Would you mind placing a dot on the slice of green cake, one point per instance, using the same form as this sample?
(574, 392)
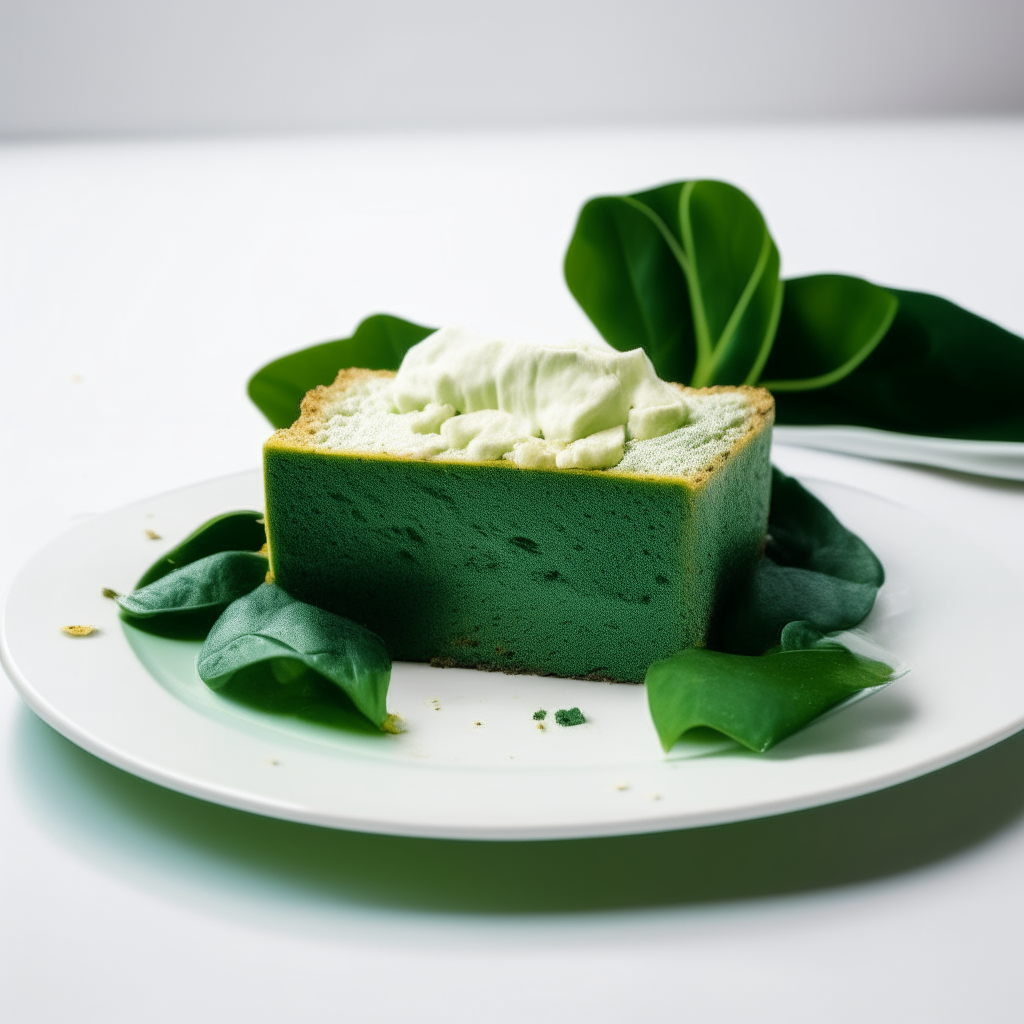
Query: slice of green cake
(545, 509)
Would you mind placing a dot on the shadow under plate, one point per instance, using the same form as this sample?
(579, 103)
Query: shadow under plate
(90, 802)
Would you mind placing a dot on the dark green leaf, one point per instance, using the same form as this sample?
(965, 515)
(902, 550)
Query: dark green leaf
(378, 343)
(733, 275)
(776, 595)
(621, 270)
(830, 324)
(774, 668)
(232, 531)
(186, 603)
(803, 532)
(285, 687)
(813, 570)
(756, 701)
(939, 370)
(688, 271)
(270, 626)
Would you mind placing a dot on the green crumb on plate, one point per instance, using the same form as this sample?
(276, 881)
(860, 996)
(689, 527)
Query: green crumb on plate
(571, 717)
(539, 715)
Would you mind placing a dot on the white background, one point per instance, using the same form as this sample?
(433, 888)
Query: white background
(152, 66)
(142, 281)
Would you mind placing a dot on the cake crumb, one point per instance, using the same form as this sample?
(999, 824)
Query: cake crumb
(540, 725)
(273, 762)
(655, 796)
(539, 715)
(78, 630)
(153, 535)
(478, 723)
(393, 724)
(570, 716)
(112, 594)
(622, 786)
(435, 704)
(261, 522)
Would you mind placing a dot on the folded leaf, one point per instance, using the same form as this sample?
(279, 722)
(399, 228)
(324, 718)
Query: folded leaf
(939, 370)
(232, 531)
(268, 625)
(187, 602)
(773, 668)
(830, 324)
(757, 701)
(378, 343)
(813, 570)
(803, 532)
(688, 271)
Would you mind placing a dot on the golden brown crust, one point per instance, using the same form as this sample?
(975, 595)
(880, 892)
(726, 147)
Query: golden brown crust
(312, 410)
(313, 414)
(763, 404)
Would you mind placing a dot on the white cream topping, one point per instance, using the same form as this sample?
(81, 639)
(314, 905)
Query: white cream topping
(460, 396)
(558, 392)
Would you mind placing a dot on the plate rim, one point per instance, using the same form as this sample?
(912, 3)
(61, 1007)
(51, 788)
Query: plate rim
(267, 805)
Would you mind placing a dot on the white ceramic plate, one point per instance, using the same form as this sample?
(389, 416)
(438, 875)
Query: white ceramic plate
(1004, 459)
(472, 763)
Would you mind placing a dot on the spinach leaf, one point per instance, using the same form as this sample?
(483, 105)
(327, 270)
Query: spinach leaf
(830, 324)
(268, 625)
(772, 668)
(940, 370)
(813, 570)
(688, 271)
(378, 343)
(232, 531)
(186, 603)
(756, 701)
(623, 271)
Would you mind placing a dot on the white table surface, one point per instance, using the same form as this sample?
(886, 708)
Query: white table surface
(141, 283)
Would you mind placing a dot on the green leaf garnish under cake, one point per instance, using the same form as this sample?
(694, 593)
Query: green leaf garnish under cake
(267, 629)
(232, 531)
(756, 701)
(187, 602)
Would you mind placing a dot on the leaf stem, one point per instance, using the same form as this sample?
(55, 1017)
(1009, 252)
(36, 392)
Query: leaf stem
(704, 365)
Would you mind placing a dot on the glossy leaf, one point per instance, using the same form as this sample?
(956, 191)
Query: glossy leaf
(378, 343)
(186, 603)
(830, 324)
(771, 667)
(232, 531)
(623, 271)
(688, 271)
(269, 626)
(940, 370)
(813, 570)
(757, 701)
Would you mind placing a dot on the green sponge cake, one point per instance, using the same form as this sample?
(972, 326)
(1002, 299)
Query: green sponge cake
(552, 509)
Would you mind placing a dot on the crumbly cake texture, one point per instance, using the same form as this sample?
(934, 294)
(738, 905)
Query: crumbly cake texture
(583, 573)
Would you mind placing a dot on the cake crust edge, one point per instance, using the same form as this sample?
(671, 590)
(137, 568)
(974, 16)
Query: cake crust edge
(298, 437)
